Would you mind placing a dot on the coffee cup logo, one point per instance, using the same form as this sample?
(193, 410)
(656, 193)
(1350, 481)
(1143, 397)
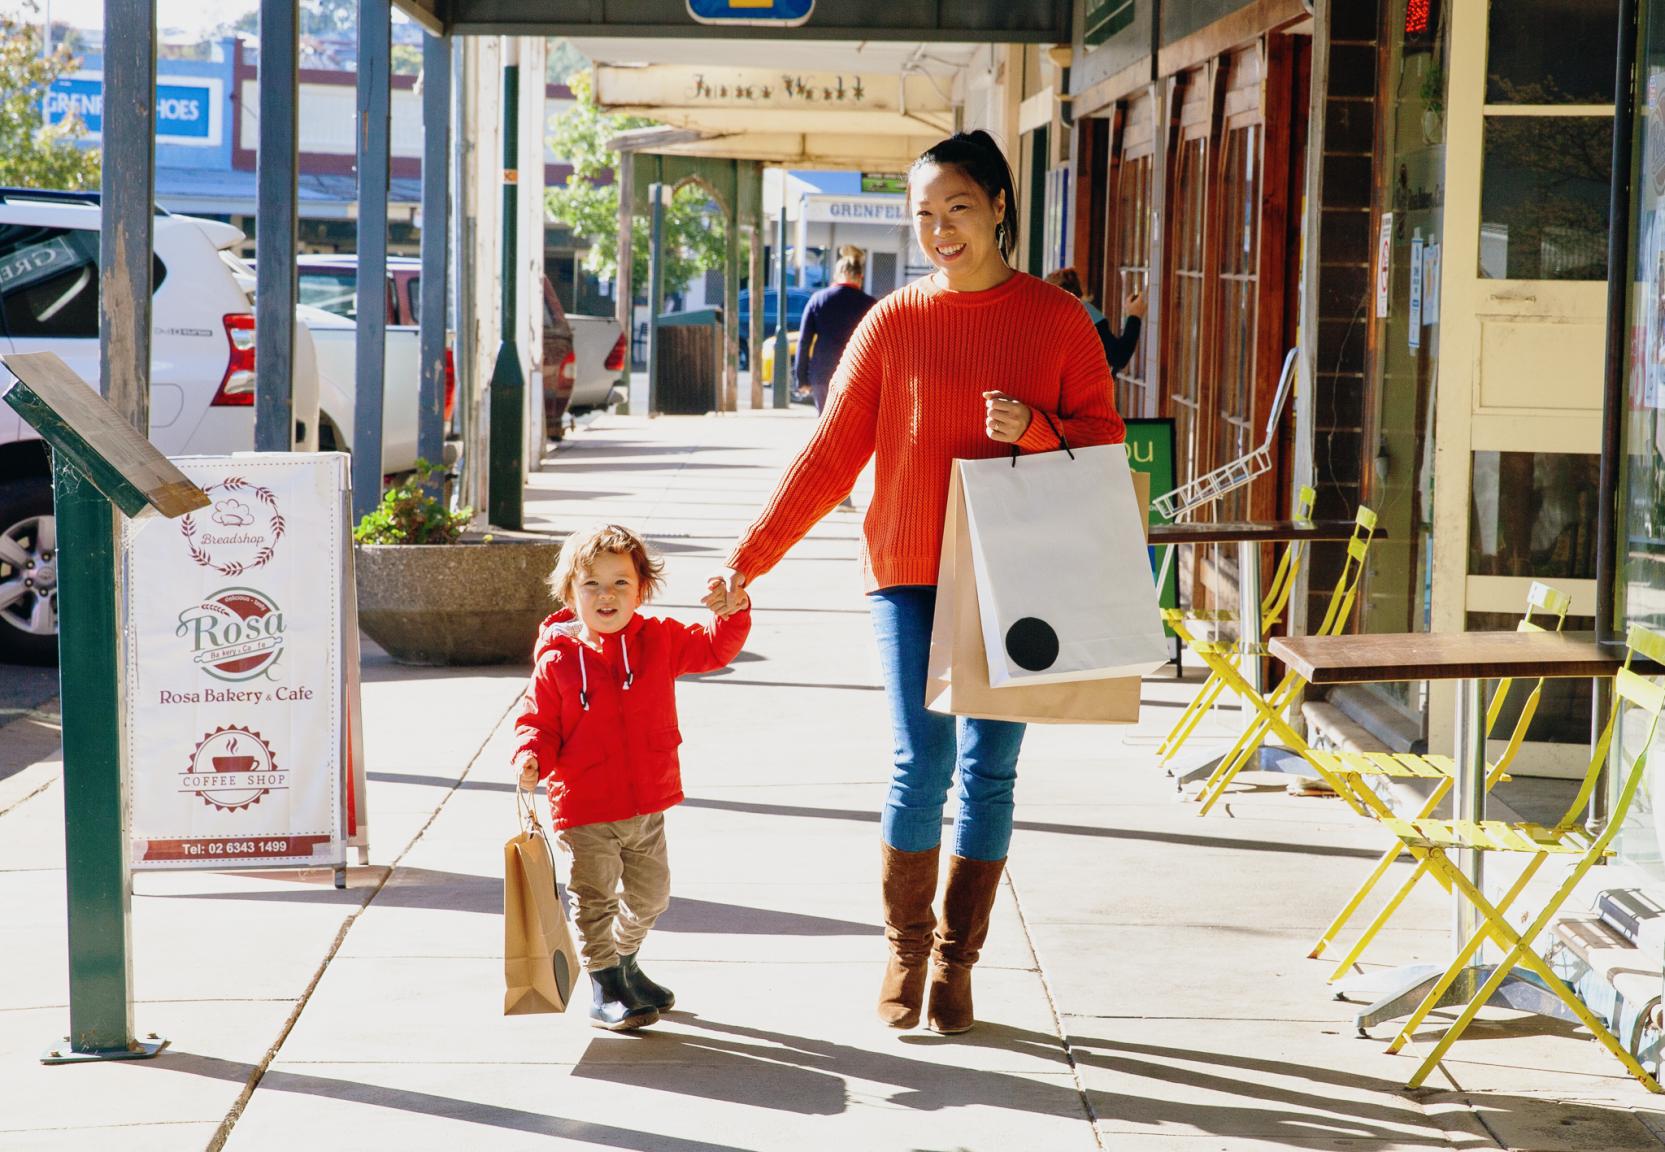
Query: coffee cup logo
(232, 768)
(241, 529)
(236, 634)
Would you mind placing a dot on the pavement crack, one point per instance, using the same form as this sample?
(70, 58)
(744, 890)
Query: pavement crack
(223, 1132)
(1057, 1017)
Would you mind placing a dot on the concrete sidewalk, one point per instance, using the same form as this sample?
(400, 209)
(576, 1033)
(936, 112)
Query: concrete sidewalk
(1144, 987)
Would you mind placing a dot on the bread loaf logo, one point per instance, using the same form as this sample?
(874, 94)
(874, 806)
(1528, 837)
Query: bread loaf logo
(242, 528)
(232, 768)
(235, 634)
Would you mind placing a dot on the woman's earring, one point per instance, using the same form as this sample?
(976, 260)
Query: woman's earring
(1000, 236)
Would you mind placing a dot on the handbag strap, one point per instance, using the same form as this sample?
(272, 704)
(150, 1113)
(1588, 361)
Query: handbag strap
(1056, 431)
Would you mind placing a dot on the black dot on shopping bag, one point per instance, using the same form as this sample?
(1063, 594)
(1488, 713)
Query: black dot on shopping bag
(1032, 644)
(563, 976)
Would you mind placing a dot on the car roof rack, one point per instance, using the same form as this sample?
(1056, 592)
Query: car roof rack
(58, 196)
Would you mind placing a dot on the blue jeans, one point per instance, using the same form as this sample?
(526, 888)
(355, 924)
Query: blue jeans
(931, 749)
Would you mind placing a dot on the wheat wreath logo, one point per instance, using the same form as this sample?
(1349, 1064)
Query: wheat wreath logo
(242, 531)
(232, 768)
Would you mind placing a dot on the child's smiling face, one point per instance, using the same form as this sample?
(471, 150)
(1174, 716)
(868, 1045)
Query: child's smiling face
(607, 593)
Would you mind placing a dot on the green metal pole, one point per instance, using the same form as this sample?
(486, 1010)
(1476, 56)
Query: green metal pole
(95, 780)
(656, 292)
(505, 485)
(783, 370)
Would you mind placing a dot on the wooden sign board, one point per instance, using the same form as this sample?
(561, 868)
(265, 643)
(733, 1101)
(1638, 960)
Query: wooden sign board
(79, 423)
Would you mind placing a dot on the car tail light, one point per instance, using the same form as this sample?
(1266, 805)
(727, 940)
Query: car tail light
(237, 385)
(450, 385)
(615, 358)
(567, 374)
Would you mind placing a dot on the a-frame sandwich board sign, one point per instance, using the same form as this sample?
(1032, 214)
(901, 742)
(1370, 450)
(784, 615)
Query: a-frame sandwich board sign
(102, 467)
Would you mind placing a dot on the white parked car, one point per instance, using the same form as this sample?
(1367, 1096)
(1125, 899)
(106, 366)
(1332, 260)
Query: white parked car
(202, 371)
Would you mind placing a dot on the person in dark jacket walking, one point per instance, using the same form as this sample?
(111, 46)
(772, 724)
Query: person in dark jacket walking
(1118, 350)
(598, 725)
(829, 318)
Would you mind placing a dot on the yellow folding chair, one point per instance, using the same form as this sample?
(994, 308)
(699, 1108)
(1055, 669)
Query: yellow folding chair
(1271, 611)
(1272, 708)
(1540, 598)
(1435, 839)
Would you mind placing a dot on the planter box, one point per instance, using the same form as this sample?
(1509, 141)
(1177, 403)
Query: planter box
(468, 603)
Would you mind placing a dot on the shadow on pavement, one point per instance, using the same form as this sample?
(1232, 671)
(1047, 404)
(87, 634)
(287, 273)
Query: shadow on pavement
(428, 1104)
(1268, 1106)
(808, 1076)
(437, 891)
(867, 817)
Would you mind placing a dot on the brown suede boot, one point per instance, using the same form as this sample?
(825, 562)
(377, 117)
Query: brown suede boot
(910, 887)
(966, 905)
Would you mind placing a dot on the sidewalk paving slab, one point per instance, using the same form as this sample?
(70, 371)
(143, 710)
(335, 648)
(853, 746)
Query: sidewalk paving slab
(1145, 985)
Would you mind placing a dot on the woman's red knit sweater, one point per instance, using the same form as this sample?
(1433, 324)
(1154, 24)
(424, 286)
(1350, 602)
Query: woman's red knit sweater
(909, 395)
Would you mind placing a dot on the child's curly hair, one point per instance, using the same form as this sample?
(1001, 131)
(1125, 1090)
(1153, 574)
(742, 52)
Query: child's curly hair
(582, 548)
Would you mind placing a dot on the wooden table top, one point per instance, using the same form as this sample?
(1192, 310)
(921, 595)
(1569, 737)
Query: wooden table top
(1261, 531)
(1366, 659)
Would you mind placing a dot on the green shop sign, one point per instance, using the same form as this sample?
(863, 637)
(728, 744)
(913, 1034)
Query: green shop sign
(1150, 449)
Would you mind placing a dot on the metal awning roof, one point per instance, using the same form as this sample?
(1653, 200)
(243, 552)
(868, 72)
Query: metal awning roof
(1003, 21)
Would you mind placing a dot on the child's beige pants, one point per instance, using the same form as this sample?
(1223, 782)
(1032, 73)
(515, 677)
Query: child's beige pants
(620, 883)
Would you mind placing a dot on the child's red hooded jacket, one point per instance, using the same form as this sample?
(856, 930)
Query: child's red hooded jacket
(603, 723)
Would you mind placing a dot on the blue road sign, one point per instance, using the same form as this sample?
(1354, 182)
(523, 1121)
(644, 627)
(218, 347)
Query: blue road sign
(774, 13)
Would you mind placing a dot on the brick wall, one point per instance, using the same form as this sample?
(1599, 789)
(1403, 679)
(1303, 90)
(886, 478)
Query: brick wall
(1345, 286)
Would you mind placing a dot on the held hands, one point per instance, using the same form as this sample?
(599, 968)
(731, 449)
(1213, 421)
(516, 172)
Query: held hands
(1006, 419)
(726, 594)
(528, 774)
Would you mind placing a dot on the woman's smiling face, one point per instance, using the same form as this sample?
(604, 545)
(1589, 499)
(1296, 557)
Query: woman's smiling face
(954, 221)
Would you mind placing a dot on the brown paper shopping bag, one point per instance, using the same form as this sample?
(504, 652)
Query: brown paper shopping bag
(957, 677)
(540, 961)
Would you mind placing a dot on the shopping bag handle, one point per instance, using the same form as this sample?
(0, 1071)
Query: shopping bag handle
(526, 810)
(1056, 431)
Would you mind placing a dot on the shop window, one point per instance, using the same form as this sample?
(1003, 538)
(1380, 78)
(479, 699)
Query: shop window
(1551, 51)
(1544, 197)
(1185, 319)
(1131, 259)
(1234, 331)
(1534, 514)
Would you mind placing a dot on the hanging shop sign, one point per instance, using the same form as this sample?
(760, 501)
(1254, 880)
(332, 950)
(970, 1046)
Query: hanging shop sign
(770, 13)
(243, 739)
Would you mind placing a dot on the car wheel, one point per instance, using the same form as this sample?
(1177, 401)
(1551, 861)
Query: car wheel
(28, 573)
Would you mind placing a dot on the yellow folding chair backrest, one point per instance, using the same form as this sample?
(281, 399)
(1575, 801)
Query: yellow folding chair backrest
(1347, 586)
(1539, 598)
(1283, 580)
(1633, 689)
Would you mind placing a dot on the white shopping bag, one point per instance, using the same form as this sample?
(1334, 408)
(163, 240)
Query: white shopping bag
(1064, 583)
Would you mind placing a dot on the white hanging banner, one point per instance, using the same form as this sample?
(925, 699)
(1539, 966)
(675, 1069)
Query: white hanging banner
(243, 708)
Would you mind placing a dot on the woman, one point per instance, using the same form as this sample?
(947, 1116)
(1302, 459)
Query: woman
(1118, 350)
(968, 362)
(829, 319)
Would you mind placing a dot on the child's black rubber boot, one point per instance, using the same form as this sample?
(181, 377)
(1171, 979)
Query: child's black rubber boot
(615, 1005)
(661, 997)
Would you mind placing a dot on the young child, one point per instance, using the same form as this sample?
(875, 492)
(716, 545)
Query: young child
(598, 724)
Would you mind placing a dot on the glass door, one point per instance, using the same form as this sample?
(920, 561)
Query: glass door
(1522, 309)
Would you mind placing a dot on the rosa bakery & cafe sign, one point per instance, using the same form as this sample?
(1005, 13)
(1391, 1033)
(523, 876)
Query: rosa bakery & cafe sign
(244, 738)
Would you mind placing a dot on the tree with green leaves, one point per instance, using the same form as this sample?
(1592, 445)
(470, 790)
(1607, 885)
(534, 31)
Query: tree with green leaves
(34, 154)
(693, 230)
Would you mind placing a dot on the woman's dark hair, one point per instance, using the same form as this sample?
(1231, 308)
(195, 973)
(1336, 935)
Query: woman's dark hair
(979, 157)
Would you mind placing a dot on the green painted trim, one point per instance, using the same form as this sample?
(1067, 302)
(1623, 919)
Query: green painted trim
(95, 780)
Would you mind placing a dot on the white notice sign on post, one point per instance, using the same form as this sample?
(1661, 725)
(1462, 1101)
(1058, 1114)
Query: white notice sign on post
(234, 621)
